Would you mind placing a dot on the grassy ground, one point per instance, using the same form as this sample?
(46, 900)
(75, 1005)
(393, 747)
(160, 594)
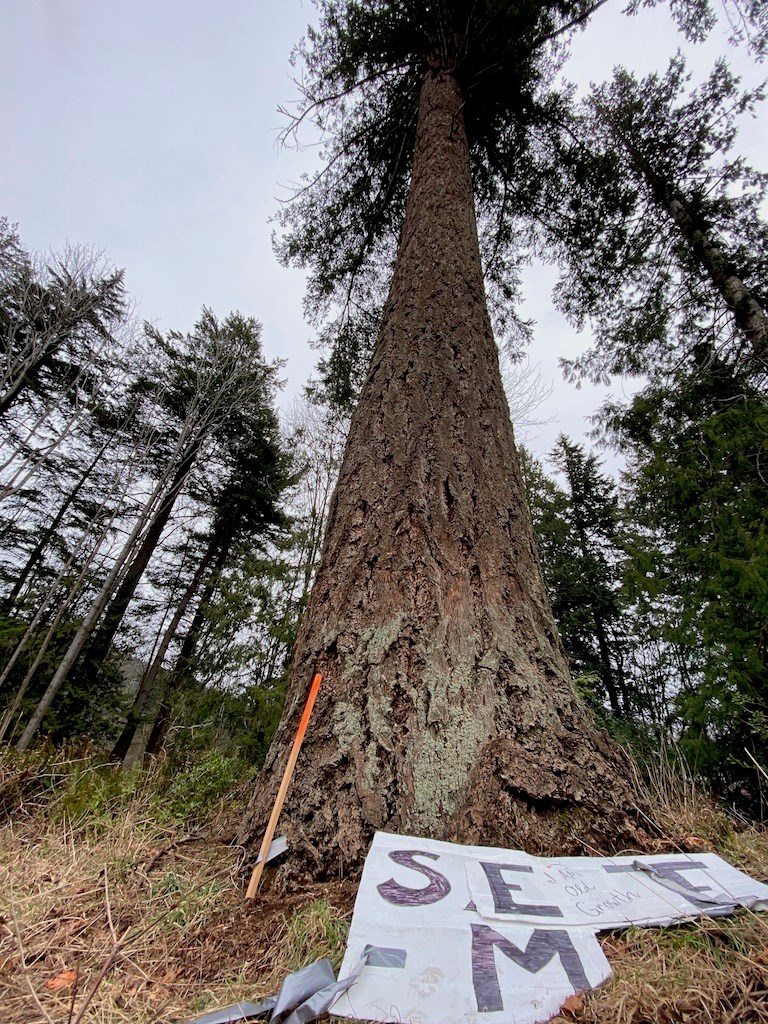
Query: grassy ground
(121, 900)
(118, 903)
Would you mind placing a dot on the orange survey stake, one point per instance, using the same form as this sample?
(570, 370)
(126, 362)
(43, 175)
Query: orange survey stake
(280, 798)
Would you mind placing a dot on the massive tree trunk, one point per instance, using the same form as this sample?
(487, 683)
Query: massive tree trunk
(447, 709)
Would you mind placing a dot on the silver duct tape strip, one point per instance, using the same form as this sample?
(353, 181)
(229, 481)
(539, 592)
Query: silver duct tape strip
(276, 848)
(323, 1000)
(319, 1003)
(237, 1012)
(304, 996)
(298, 987)
(383, 956)
(719, 907)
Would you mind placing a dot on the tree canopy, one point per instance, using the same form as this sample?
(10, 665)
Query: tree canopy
(663, 241)
(541, 180)
(364, 65)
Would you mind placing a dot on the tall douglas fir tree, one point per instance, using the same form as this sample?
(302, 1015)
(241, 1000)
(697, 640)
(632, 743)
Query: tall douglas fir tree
(447, 708)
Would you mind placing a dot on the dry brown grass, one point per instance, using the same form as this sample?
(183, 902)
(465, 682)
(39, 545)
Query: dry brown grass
(713, 971)
(152, 917)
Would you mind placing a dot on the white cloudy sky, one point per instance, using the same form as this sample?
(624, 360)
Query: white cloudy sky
(148, 129)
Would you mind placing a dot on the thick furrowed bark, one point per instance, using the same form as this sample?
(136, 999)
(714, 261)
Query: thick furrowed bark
(446, 708)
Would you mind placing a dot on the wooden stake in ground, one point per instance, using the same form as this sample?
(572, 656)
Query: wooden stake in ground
(280, 798)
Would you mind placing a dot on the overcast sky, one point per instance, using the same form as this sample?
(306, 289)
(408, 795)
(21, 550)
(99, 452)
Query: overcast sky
(148, 129)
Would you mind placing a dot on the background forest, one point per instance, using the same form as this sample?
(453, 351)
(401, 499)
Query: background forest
(159, 529)
(160, 532)
(164, 494)
(160, 525)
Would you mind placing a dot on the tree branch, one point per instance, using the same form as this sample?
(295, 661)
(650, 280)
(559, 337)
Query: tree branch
(587, 13)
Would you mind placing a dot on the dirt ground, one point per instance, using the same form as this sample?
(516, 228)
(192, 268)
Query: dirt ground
(117, 917)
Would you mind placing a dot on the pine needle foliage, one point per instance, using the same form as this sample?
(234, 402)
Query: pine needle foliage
(364, 64)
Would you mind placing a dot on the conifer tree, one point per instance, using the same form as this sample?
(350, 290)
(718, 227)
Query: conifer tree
(245, 509)
(215, 376)
(698, 499)
(447, 706)
(663, 238)
(52, 318)
(577, 531)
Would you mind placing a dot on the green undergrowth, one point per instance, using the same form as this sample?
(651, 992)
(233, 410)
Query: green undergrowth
(317, 932)
(79, 786)
(90, 855)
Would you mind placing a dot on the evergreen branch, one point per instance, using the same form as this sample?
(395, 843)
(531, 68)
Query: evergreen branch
(580, 19)
(324, 101)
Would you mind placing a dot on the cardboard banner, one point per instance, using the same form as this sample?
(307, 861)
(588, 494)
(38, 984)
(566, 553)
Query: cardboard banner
(472, 934)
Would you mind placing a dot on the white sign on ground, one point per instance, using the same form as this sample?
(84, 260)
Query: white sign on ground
(475, 935)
